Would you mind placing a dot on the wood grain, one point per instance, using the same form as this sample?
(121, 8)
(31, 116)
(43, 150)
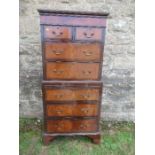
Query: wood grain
(76, 71)
(82, 33)
(71, 125)
(71, 94)
(72, 20)
(73, 51)
(57, 33)
(72, 110)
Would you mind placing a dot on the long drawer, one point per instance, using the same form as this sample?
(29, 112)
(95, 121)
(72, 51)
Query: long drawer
(76, 109)
(72, 71)
(73, 51)
(71, 91)
(71, 125)
(71, 94)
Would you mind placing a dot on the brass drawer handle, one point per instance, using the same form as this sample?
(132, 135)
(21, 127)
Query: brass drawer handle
(57, 34)
(58, 71)
(58, 126)
(83, 126)
(86, 96)
(59, 111)
(57, 52)
(88, 35)
(87, 53)
(86, 72)
(85, 110)
(59, 95)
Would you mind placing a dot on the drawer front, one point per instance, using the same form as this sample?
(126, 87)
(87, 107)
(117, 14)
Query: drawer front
(72, 71)
(72, 110)
(62, 126)
(71, 94)
(73, 51)
(91, 34)
(57, 32)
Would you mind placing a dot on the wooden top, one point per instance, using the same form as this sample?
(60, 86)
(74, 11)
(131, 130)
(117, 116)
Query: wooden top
(46, 12)
(91, 82)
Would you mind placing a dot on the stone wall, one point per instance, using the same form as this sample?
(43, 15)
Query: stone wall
(118, 67)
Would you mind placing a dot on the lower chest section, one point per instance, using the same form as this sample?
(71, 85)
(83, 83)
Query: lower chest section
(71, 106)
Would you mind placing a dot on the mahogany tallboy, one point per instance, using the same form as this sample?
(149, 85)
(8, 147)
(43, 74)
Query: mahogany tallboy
(72, 54)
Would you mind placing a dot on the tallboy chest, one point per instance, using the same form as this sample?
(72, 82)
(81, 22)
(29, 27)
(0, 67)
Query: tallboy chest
(72, 51)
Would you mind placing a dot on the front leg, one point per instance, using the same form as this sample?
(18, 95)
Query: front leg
(95, 138)
(47, 139)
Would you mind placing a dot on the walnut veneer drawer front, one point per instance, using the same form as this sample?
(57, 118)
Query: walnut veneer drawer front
(89, 34)
(78, 125)
(72, 71)
(72, 110)
(71, 94)
(57, 32)
(73, 51)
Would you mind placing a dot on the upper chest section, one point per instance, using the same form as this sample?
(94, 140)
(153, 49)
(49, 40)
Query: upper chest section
(72, 26)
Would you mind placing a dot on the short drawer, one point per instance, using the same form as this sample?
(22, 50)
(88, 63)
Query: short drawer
(73, 51)
(89, 34)
(71, 94)
(72, 71)
(57, 33)
(71, 125)
(77, 109)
